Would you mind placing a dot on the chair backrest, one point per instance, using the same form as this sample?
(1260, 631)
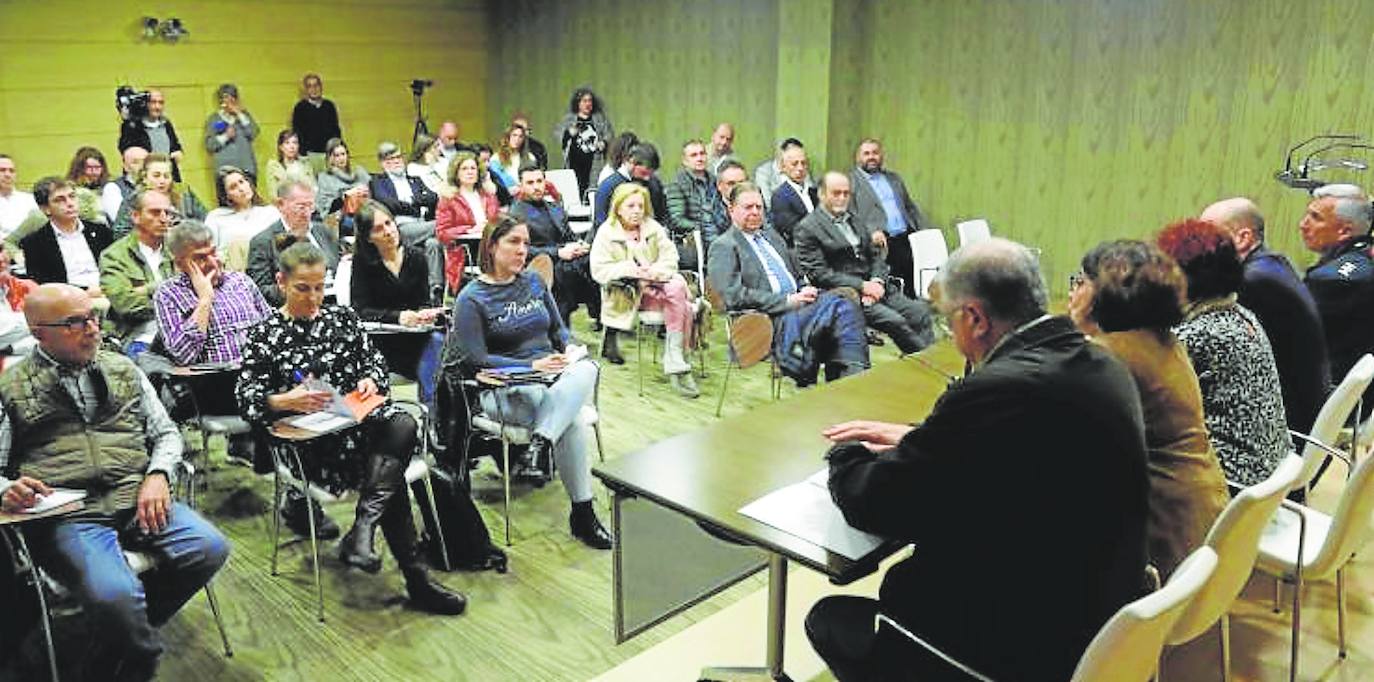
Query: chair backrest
(700, 245)
(343, 281)
(973, 231)
(542, 265)
(928, 253)
(1127, 648)
(1235, 536)
(1350, 523)
(1333, 416)
(565, 180)
(751, 338)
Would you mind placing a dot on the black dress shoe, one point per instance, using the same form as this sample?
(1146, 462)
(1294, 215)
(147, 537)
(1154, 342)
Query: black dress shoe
(587, 528)
(293, 513)
(431, 597)
(874, 339)
(531, 469)
(610, 348)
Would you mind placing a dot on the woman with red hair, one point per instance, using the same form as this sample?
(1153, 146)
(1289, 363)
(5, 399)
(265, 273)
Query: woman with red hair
(1230, 353)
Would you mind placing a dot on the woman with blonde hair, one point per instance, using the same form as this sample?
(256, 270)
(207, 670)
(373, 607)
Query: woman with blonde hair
(635, 262)
(511, 154)
(157, 176)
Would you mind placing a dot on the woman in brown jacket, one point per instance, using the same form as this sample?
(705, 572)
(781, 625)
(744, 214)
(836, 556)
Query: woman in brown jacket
(1127, 297)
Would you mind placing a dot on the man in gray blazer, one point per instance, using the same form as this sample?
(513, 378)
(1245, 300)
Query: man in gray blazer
(296, 201)
(752, 269)
(834, 253)
(881, 202)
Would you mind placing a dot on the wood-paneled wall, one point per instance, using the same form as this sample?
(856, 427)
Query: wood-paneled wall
(63, 58)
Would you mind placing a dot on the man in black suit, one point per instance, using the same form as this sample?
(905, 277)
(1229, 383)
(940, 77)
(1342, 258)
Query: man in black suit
(881, 202)
(404, 195)
(296, 202)
(1038, 452)
(65, 250)
(833, 253)
(640, 166)
(796, 197)
(550, 234)
(1285, 308)
(752, 269)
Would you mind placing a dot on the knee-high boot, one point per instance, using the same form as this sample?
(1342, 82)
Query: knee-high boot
(384, 479)
(424, 593)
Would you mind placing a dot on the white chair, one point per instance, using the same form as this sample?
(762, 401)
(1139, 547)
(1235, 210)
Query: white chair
(973, 231)
(343, 277)
(928, 253)
(1332, 418)
(1127, 647)
(1301, 544)
(565, 180)
(1235, 536)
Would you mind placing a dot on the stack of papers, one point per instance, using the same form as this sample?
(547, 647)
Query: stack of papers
(807, 511)
(343, 410)
(59, 497)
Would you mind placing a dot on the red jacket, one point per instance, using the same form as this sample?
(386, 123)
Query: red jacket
(452, 219)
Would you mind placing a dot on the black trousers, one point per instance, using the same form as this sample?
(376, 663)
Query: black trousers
(843, 630)
(906, 320)
(900, 263)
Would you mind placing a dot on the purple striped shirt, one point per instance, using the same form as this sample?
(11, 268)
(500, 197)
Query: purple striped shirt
(238, 306)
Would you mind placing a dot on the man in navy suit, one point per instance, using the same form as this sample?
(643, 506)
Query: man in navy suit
(1285, 308)
(640, 165)
(404, 195)
(65, 250)
(796, 197)
(881, 203)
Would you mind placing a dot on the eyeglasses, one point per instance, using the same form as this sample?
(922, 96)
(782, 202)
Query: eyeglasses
(74, 324)
(1076, 280)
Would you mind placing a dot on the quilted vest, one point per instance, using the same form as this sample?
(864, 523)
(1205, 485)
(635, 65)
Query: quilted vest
(52, 441)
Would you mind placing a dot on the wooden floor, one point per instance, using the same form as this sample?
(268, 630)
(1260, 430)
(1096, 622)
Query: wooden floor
(549, 618)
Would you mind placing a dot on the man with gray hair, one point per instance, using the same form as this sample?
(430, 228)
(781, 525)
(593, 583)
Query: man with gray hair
(296, 202)
(1047, 425)
(1272, 290)
(1336, 226)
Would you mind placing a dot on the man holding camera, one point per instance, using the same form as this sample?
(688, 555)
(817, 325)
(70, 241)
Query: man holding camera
(147, 126)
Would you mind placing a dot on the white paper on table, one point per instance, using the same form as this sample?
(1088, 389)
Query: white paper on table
(806, 510)
(321, 422)
(59, 497)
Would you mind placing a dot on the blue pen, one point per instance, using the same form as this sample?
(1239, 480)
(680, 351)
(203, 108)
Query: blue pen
(300, 378)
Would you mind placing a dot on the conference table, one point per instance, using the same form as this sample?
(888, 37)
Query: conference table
(680, 537)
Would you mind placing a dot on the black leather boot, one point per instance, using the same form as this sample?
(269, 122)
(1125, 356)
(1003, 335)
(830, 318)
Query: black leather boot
(610, 348)
(533, 465)
(294, 514)
(423, 592)
(385, 478)
(587, 528)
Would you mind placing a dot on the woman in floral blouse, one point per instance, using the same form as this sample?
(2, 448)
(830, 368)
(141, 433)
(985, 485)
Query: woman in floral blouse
(308, 340)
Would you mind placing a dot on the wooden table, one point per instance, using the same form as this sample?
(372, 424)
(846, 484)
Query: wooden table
(708, 475)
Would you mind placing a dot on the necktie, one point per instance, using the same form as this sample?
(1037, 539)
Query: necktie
(786, 284)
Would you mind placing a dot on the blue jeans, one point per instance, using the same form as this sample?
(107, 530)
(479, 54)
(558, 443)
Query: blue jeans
(552, 411)
(427, 369)
(87, 558)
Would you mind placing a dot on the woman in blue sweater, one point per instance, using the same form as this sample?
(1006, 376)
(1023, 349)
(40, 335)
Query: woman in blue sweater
(508, 318)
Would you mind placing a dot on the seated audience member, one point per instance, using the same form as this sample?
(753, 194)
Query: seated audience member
(1284, 307)
(449, 144)
(690, 198)
(67, 422)
(883, 205)
(640, 165)
(404, 197)
(1127, 298)
(1230, 352)
(118, 191)
(635, 262)
(506, 318)
(340, 177)
(153, 132)
(510, 156)
(462, 215)
(16, 205)
(295, 202)
(535, 147)
(427, 163)
(550, 234)
(314, 117)
(241, 215)
(15, 338)
(289, 164)
(752, 269)
(157, 177)
(768, 176)
(795, 198)
(616, 151)
(583, 133)
(66, 249)
(1336, 228)
(729, 173)
(836, 252)
(131, 270)
(390, 283)
(89, 174)
(483, 152)
(722, 148)
(1048, 425)
(229, 133)
(307, 341)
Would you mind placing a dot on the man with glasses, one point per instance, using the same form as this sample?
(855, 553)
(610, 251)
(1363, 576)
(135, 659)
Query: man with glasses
(1038, 453)
(78, 417)
(835, 251)
(131, 270)
(296, 202)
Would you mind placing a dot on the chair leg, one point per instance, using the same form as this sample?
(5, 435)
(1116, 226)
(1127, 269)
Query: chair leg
(314, 545)
(505, 482)
(639, 356)
(1340, 610)
(1225, 626)
(43, 618)
(438, 527)
(1278, 594)
(1297, 628)
(725, 384)
(276, 514)
(219, 620)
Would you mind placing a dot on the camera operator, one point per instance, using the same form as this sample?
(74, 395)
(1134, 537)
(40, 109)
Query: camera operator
(147, 126)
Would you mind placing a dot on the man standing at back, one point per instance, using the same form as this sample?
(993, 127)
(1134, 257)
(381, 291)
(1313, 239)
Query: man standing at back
(881, 202)
(1273, 292)
(315, 119)
(1036, 457)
